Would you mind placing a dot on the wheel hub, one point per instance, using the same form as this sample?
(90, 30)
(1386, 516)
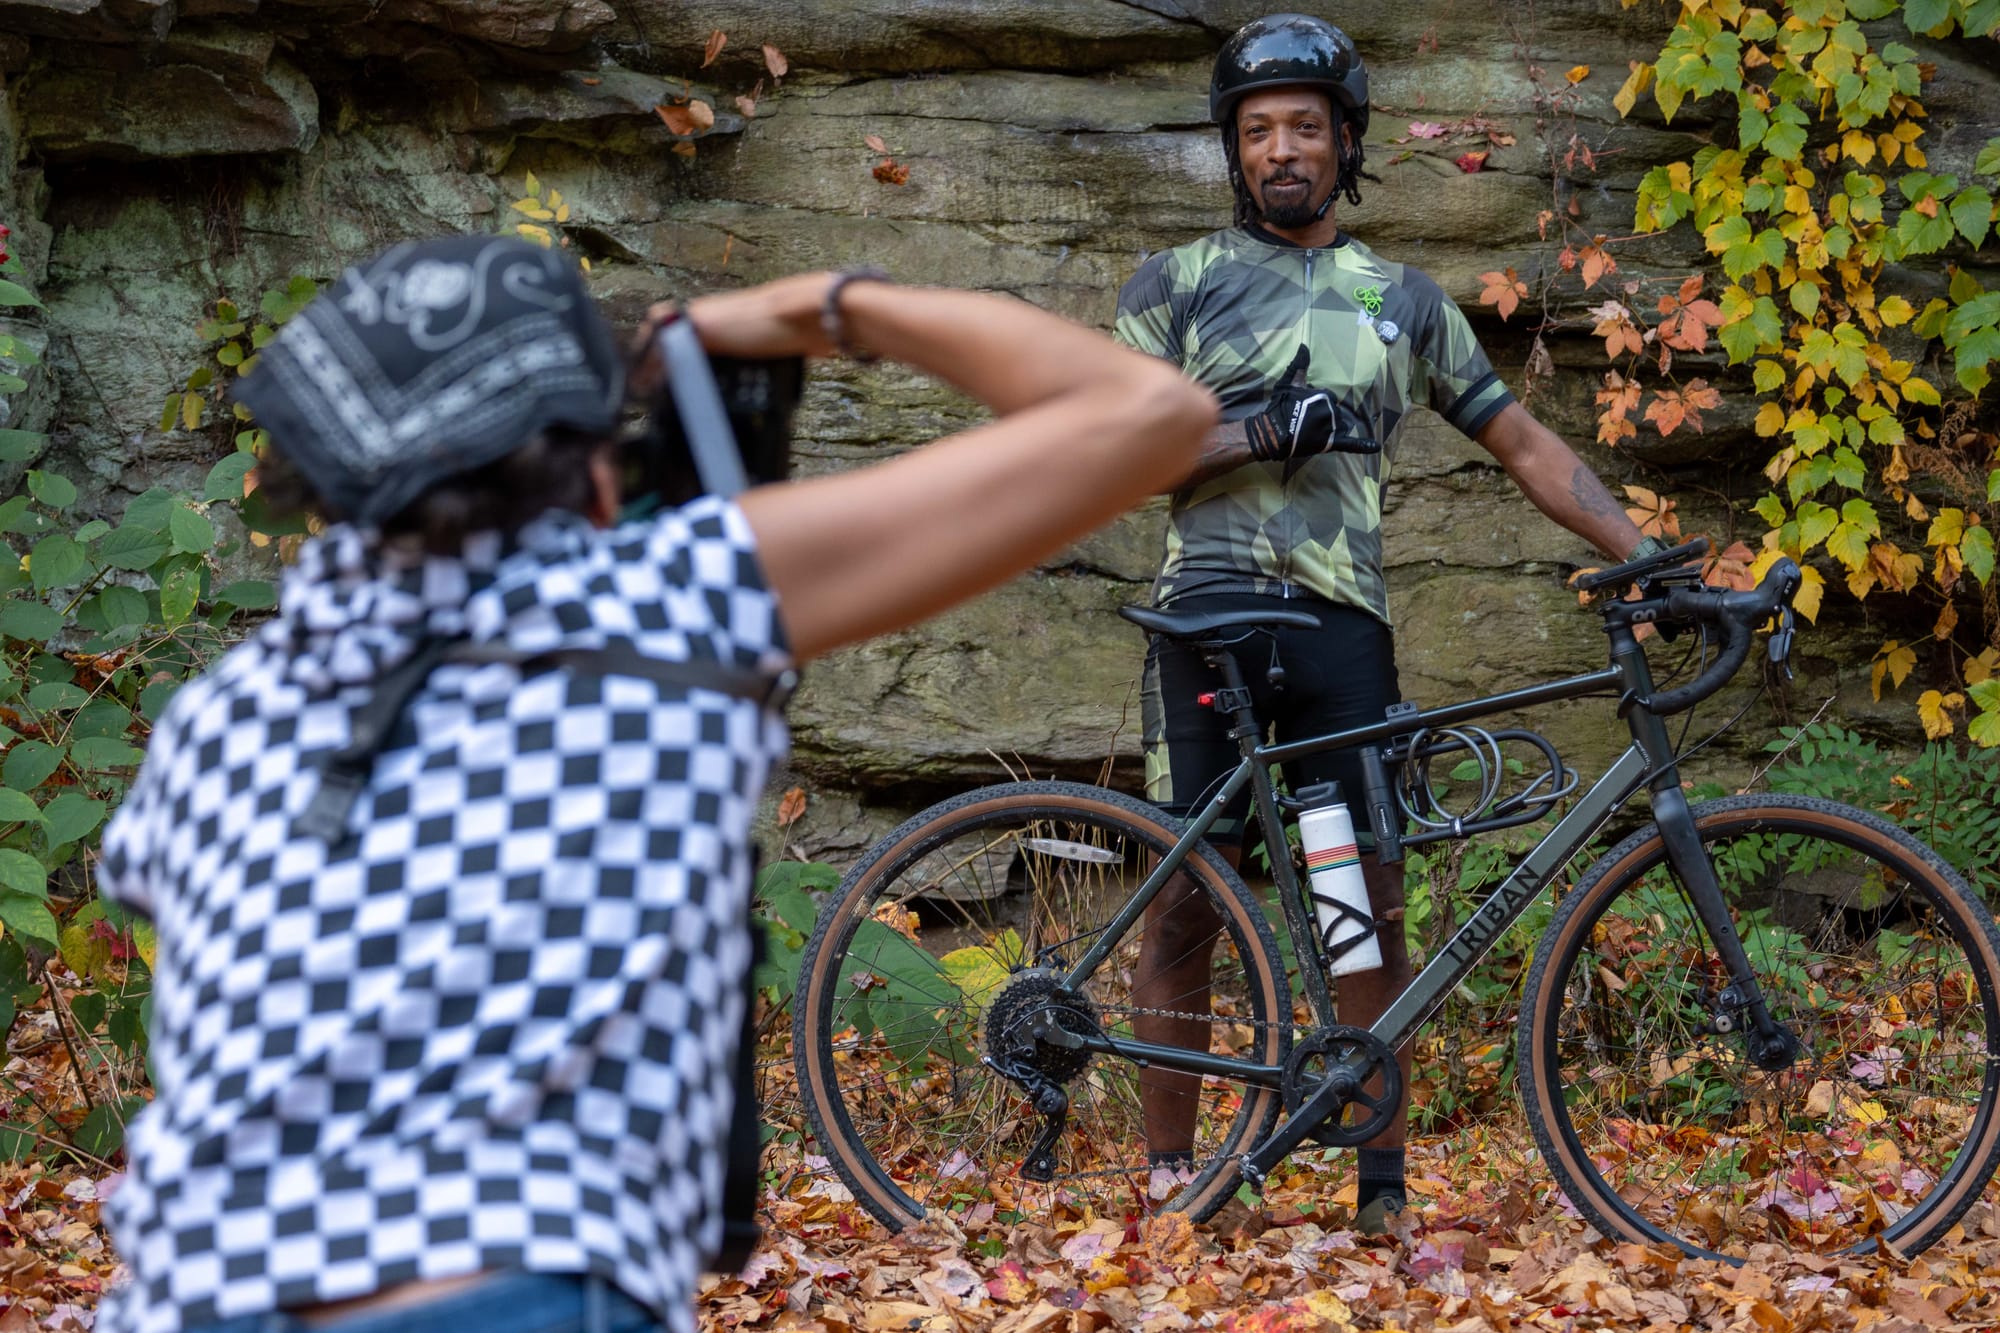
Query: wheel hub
(1036, 1026)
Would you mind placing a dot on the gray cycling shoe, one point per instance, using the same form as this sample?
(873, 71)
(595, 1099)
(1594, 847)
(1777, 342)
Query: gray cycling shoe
(1382, 1216)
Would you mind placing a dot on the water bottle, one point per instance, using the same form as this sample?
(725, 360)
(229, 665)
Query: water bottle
(1338, 889)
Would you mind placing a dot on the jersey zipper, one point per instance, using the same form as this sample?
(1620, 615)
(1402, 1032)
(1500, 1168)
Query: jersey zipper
(1305, 322)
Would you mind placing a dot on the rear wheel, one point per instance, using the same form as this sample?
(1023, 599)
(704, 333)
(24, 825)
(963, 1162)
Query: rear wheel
(948, 942)
(1877, 956)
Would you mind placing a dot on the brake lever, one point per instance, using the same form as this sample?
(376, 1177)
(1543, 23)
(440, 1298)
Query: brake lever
(1779, 647)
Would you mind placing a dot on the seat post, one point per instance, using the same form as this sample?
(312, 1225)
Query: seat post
(1234, 698)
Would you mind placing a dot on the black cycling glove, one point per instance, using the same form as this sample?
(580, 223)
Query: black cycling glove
(1301, 421)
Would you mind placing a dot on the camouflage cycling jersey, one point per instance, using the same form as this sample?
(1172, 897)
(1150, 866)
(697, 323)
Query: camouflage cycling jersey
(1233, 309)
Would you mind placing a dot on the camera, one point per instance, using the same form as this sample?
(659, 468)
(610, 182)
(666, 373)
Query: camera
(717, 426)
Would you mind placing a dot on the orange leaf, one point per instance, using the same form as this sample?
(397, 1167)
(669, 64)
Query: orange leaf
(716, 41)
(1596, 263)
(687, 118)
(1503, 290)
(891, 172)
(774, 60)
(874, 141)
(791, 806)
(1471, 162)
(1578, 73)
(1667, 412)
(1927, 205)
(684, 148)
(1690, 288)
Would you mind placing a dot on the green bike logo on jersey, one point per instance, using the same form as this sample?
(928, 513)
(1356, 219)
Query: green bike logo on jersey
(1370, 298)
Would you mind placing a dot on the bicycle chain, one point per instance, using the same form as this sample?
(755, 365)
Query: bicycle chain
(1143, 1012)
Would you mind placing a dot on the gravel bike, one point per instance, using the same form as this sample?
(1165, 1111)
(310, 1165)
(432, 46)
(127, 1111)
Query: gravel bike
(1764, 1018)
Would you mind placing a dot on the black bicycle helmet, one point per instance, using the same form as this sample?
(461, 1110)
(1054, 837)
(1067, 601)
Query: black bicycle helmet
(1281, 49)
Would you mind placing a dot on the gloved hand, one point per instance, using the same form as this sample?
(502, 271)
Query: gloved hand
(1300, 422)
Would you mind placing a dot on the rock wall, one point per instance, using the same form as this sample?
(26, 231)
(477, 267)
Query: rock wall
(166, 153)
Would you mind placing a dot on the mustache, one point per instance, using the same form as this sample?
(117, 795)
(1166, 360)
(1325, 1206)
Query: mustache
(1285, 178)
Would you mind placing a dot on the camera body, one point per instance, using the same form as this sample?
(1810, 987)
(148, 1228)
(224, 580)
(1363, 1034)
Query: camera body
(717, 425)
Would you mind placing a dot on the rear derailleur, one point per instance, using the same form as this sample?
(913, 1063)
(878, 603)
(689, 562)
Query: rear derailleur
(1039, 1037)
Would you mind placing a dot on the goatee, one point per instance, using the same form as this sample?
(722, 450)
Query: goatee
(1290, 217)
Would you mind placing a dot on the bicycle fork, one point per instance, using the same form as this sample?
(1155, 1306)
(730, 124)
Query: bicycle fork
(1739, 1007)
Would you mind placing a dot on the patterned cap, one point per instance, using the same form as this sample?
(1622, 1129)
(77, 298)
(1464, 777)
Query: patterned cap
(431, 359)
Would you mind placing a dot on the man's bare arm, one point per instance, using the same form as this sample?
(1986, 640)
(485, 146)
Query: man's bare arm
(1226, 449)
(1561, 484)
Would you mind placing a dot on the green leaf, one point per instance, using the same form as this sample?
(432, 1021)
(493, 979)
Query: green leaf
(1804, 297)
(73, 816)
(18, 807)
(28, 917)
(249, 595)
(57, 694)
(1988, 161)
(23, 874)
(1866, 10)
(1976, 549)
(52, 489)
(124, 1028)
(132, 547)
(225, 479)
(88, 1008)
(1973, 354)
(57, 562)
(1972, 213)
(151, 510)
(1848, 544)
(1924, 16)
(1770, 375)
(102, 1132)
(1771, 509)
(230, 354)
(13, 294)
(1993, 486)
(179, 591)
(18, 446)
(99, 754)
(1848, 470)
(154, 698)
(92, 530)
(30, 620)
(191, 532)
(101, 717)
(1816, 523)
(124, 606)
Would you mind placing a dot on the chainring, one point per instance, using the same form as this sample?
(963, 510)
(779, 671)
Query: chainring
(1364, 1114)
(1011, 1043)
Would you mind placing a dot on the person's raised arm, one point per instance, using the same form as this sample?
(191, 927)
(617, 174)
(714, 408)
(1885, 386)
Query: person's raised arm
(1085, 430)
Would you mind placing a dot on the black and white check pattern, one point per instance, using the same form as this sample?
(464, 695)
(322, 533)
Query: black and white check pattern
(492, 1027)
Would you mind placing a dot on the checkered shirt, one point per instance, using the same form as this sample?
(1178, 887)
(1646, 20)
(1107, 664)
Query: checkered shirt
(493, 1025)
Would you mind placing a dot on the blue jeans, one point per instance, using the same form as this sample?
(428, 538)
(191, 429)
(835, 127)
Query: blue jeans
(511, 1302)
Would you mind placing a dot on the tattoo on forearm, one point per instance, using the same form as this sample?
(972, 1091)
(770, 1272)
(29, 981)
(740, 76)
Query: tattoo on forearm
(1590, 495)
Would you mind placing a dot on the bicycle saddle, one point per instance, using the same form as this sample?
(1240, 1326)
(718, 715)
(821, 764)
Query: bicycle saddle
(1191, 623)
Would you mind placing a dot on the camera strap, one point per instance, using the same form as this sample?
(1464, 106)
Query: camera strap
(703, 416)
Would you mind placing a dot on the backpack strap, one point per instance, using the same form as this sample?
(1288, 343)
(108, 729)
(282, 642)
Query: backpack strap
(345, 772)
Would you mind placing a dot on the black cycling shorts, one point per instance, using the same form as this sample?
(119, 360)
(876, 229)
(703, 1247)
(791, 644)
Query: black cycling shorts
(1341, 675)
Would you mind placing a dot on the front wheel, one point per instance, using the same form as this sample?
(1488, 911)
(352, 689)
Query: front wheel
(1879, 959)
(937, 965)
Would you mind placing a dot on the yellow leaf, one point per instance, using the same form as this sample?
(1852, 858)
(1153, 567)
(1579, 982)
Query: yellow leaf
(534, 233)
(190, 410)
(1983, 666)
(1627, 97)
(555, 198)
(1931, 707)
(1895, 311)
(1870, 1113)
(562, 214)
(1578, 73)
(532, 186)
(1770, 419)
(1858, 146)
(1812, 587)
(533, 208)
(1913, 156)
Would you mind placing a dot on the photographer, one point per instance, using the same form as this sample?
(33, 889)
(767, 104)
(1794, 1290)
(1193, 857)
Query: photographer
(450, 862)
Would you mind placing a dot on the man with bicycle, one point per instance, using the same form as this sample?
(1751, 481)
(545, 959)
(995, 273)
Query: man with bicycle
(1317, 350)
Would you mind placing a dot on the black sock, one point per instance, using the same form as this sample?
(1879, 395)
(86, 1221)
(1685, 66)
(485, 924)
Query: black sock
(1172, 1159)
(1381, 1173)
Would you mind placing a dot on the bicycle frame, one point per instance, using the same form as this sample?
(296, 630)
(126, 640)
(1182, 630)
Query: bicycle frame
(1648, 761)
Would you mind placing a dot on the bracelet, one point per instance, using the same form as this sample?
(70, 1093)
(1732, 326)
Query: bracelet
(833, 324)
